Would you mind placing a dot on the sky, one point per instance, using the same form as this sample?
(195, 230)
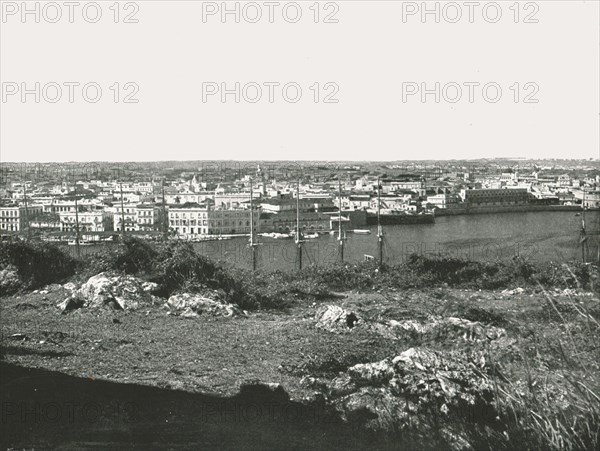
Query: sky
(346, 81)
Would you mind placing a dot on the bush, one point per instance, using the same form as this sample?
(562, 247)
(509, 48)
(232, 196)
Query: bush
(176, 267)
(36, 263)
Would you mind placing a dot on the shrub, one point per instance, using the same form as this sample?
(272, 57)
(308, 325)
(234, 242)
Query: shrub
(36, 263)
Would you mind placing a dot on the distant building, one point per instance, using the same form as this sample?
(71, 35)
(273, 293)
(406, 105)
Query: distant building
(14, 218)
(195, 221)
(286, 222)
(443, 200)
(89, 221)
(495, 197)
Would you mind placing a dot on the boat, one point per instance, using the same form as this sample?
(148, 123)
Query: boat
(311, 236)
(81, 243)
(362, 231)
(276, 236)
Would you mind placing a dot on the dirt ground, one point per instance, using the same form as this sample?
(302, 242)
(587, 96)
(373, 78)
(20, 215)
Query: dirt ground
(216, 356)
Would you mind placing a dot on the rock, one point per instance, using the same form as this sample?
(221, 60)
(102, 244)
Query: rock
(518, 290)
(414, 391)
(372, 373)
(191, 305)
(149, 287)
(70, 286)
(71, 303)
(450, 328)
(9, 280)
(336, 319)
(122, 292)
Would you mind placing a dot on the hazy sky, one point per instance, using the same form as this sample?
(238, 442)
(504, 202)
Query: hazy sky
(376, 54)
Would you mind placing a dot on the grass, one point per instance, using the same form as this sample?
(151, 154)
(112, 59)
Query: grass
(546, 377)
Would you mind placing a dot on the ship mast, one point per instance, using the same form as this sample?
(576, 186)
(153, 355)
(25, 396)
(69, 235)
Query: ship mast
(165, 219)
(27, 222)
(340, 237)
(379, 228)
(299, 240)
(253, 244)
(583, 237)
(122, 211)
(77, 224)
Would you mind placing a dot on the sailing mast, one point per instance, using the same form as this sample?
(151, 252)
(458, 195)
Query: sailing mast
(165, 219)
(583, 237)
(299, 240)
(253, 244)
(379, 228)
(122, 212)
(27, 223)
(340, 237)
(76, 224)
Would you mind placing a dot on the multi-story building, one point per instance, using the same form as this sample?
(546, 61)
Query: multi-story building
(64, 206)
(89, 221)
(137, 217)
(446, 200)
(124, 217)
(148, 217)
(495, 197)
(286, 222)
(197, 220)
(14, 218)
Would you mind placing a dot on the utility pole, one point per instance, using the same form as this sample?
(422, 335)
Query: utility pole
(299, 240)
(379, 228)
(77, 225)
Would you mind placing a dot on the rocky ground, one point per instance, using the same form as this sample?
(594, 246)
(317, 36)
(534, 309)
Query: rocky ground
(428, 366)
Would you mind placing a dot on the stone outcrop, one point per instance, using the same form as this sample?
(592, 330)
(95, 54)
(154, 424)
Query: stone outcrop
(121, 292)
(448, 328)
(9, 280)
(336, 319)
(413, 391)
(193, 305)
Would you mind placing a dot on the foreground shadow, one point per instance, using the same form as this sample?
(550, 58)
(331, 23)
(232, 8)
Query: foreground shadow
(49, 410)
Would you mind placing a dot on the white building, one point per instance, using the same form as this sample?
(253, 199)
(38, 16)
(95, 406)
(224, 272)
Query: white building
(195, 221)
(14, 219)
(89, 221)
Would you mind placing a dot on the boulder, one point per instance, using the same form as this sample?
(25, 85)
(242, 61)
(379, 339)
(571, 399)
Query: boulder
(121, 291)
(70, 286)
(449, 328)
(192, 305)
(336, 319)
(9, 280)
(415, 391)
(71, 303)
